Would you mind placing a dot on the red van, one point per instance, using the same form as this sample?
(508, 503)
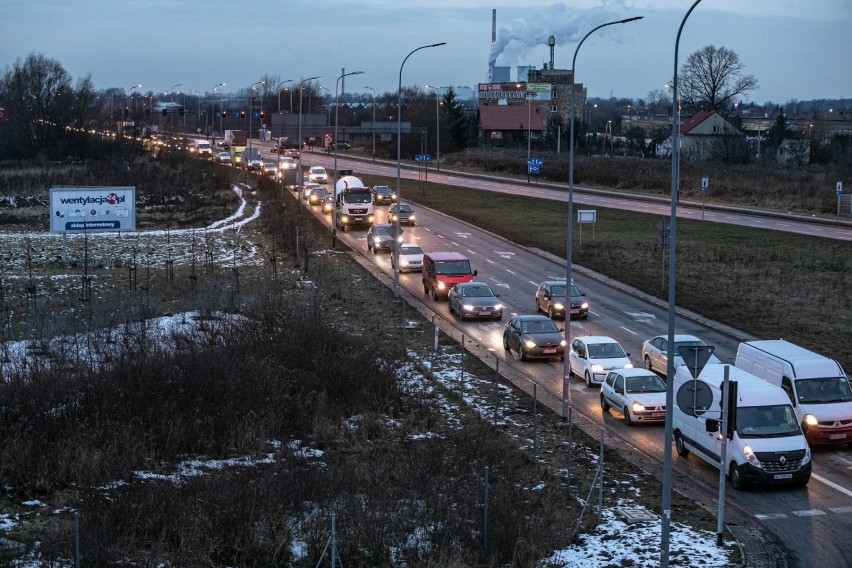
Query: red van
(442, 271)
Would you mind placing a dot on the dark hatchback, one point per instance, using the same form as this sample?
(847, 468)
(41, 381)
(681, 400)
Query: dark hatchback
(534, 337)
(550, 299)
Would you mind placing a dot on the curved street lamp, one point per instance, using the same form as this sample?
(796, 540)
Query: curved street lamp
(336, 116)
(399, 160)
(438, 126)
(278, 88)
(172, 99)
(139, 86)
(667, 448)
(566, 363)
(374, 121)
(251, 88)
(301, 91)
(213, 113)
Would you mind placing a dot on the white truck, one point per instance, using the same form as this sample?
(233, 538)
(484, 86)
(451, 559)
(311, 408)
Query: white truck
(765, 442)
(818, 388)
(201, 148)
(353, 202)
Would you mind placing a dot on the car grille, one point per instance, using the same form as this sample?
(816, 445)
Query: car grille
(358, 211)
(828, 424)
(775, 462)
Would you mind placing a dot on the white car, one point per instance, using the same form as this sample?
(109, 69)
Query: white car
(285, 163)
(270, 169)
(410, 258)
(591, 357)
(655, 351)
(638, 394)
(317, 174)
(223, 158)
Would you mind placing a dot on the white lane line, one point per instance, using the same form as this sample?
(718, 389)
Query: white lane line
(455, 244)
(629, 330)
(840, 509)
(770, 516)
(809, 513)
(510, 271)
(831, 484)
(594, 313)
(442, 237)
(533, 283)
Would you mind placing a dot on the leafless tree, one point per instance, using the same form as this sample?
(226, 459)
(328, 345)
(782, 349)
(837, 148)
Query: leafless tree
(713, 78)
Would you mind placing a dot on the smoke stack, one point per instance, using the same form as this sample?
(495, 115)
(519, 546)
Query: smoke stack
(492, 59)
(551, 41)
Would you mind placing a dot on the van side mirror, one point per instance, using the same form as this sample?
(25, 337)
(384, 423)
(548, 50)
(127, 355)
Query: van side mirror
(474, 272)
(712, 425)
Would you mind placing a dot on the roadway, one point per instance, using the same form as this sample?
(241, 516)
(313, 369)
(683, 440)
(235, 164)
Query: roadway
(811, 524)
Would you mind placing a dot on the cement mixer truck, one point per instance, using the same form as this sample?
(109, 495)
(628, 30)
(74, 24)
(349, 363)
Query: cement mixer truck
(353, 202)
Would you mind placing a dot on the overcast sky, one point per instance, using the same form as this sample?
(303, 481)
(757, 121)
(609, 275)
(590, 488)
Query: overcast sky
(797, 49)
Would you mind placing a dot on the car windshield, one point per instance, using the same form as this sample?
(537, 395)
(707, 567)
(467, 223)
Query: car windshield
(358, 198)
(476, 291)
(821, 391)
(404, 209)
(645, 383)
(767, 421)
(557, 291)
(539, 326)
(320, 192)
(410, 250)
(384, 190)
(317, 170)
(605, 351)
(379, 230)
(452, 267)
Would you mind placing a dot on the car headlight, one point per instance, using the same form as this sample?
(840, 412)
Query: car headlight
(559, 306)
(638, 407)
(403, 262)
(810, 420)
(584, 306)
(498, 307)
(467, 307)
(597, 369)
(377, 241)
(529, 343)
(442, 286)
(411, 217)
(370, 219)
(807, 457)
(344, 219)
(751, 458)
(628, 366)
(563, 343)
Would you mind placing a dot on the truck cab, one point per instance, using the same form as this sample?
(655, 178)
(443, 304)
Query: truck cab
(353, 203)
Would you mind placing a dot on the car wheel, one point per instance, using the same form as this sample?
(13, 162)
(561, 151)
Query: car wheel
(425, 290)
(521, 354)
(648, 363)
(737, 481)
(627, 419)
(604, 403)
(434, 295)
(537, 306)
(680, 446)
(588, 380)
(505, 343)
(550, 313)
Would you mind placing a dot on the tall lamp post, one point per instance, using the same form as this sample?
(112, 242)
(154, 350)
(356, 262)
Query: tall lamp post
(301, 90)
(198, 116)
(566, 365)
(667, 447)
(328, 110)
(172, 98)
(139, 86)
(251, 88)
(278, 88)
(213, 114)
(374, 121)
(437, 126)
(336, 116)
(399, 162)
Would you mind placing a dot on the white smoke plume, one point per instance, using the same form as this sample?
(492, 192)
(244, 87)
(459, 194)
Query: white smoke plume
(566, 24)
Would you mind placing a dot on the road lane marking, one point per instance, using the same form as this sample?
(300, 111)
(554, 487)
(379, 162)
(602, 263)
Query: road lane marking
(770, 516)
(533, 283)
(831, 484)
(840, 509)
(629, 330)
(489, 260)
(510, 271)
(809, 513)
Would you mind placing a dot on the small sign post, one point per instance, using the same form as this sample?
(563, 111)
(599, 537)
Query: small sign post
(586, 216)
(705, 188)
(838, 191)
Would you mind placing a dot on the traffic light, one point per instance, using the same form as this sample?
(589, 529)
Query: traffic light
(224, 114)
(165, 112)
(242, 114)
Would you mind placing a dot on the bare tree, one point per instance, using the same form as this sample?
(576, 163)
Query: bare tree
(713, 78)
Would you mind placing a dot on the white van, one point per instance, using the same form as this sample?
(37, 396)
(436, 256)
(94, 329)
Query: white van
(817, 386)
(766, 445)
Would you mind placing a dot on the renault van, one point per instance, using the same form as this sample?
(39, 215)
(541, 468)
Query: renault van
(816, 385)
(442, 271)
(765, 442)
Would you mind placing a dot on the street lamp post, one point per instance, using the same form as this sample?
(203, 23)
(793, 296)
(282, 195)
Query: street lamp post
(213, 114)
(172, 99)
(328, 108)
(198, 116)
(251, 88)
(278, 88)
(566, 365)
(374, 121)
(139, 86)
(399, 162)
(667, 447)
(301, 90)
(437, 127)
(336, 116)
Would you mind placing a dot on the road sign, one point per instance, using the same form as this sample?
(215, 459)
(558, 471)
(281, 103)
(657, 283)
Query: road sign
(839, 189)
(534, 165)
(695, 357)
(705, 184)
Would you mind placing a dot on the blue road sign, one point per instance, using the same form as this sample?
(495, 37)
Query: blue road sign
(422, 157)
(534, 165)
(839, 189)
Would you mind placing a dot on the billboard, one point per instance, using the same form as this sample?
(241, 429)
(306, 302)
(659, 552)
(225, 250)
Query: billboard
(92, 209)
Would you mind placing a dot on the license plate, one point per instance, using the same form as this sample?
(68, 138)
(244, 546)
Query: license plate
(658, 414)
(836, 436)
(783, 476)
(575, 311)
(483, 313)
(357, 219)
(548, 350)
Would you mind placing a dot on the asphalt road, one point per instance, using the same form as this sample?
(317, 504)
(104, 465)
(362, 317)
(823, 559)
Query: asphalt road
(810, 524)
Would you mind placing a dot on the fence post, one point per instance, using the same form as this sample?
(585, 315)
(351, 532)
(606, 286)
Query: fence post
(485, 517)
(76, 539)
(600, 480)
(570, 448)
(535, 421)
